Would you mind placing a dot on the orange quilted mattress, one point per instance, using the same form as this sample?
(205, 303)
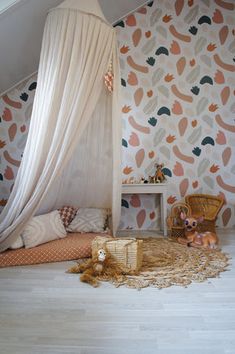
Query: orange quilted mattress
(72, 247)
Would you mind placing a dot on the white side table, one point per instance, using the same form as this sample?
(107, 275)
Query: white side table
(151, 188)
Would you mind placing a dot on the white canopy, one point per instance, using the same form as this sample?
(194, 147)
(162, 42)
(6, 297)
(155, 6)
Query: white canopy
(72, 154)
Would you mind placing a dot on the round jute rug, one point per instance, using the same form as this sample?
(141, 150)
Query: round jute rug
(167, 263)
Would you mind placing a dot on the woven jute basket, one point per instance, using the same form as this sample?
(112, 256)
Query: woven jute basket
(207, 206)
(174, 222)
(128, 253)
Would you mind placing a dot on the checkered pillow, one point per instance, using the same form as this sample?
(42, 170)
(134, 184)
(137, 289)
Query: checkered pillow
(67, 214)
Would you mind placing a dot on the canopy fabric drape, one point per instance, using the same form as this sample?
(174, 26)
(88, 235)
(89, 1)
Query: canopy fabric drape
(76, 52)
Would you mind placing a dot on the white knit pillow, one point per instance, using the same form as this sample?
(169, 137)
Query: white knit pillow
(18, 243)
(89, 220)
(43, 228)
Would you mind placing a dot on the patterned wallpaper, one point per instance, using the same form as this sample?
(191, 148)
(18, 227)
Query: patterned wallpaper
(15, 114)
(177, 66)
(177, 63)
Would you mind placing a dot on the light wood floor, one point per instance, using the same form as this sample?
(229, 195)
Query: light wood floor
(44, 310)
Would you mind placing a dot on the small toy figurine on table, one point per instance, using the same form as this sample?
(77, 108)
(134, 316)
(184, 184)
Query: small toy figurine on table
(159, 176)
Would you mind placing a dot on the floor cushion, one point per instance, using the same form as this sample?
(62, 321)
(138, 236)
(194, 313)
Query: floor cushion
(72, 247)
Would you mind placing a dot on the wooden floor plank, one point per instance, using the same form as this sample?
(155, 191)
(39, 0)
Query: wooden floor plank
(45, 310)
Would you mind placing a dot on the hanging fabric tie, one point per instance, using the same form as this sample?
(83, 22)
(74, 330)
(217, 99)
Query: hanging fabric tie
(108, 77)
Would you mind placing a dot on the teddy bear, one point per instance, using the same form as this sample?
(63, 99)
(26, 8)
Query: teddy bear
(100, 266)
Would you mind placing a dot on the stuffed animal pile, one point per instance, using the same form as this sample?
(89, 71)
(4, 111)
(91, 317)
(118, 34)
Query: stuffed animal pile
(100, 267)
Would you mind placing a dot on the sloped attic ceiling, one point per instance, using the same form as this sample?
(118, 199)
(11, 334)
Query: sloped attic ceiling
(21, 30)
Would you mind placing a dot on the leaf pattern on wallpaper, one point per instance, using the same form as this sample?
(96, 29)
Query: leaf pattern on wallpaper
(223, 34)
(193, 75)
(136, 37)
(134, 139)
(202, 167)
(179, 4)
(181, 36)
(140, 218)
(219, 77)
(125, 203)
(175, 48)
(182, 126)
(208, 120)
(222, 124)
(151, 106)
(157, 76)
(139, 157)
(162, 31)
(226, 216)
(217, 16)
(200, 44)
(8, 173)
(221, 138)
(206, 80)
(136, 66)
(182, 96)
(178, 169)
(224, 185)
(138, 95)
(208, 140)
(137, 126)
(164, 91)
(209, 181)
(7, 115)
(191, 15)
(149, 46)
(222, 64)
(132, 79)
(10, 159)
(164, 110)
(226, 155)
(159, 136)
(135, 201)
(184, 187)
(177, 108)
(124, 143)
(206, 60)
(182, 156)
(12, 131)
(165, 151)
(180, 65)
(131, 20)
(202, 104)
(12, 103)
(225, 93)
(155, 16)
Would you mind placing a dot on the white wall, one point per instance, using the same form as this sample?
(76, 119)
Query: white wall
(21, 29)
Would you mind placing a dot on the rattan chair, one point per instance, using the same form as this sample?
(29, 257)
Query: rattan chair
(174, 223)
(207, 206)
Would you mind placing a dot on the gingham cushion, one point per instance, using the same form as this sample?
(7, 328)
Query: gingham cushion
(67, 214)
(74, 246)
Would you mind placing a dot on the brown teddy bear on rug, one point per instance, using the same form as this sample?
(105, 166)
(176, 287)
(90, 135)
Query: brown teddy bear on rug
(100, 267)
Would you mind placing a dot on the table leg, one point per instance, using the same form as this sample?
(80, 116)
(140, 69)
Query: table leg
(163, 213)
